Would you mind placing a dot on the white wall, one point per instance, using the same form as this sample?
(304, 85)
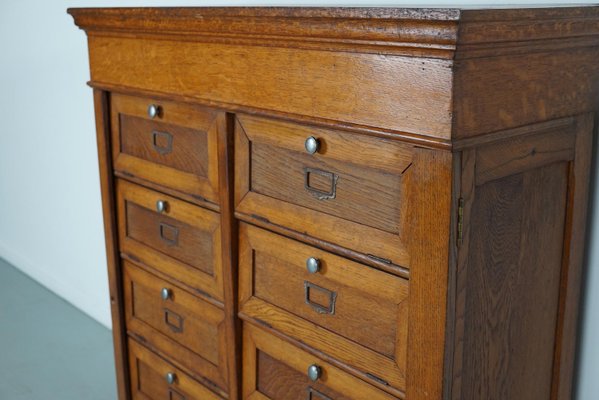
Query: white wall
(50, 212)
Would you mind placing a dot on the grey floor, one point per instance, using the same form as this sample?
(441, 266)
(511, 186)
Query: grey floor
(49, 349)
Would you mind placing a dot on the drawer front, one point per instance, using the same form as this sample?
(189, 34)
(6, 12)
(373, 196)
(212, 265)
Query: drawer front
(188, 329)
(153, 378)
(275, 369)
(176, 148)
(364, 311)
(182, 241)
(351, 191)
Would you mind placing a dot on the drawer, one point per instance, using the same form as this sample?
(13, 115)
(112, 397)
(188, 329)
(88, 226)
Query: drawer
(351, 312)
(177, 148)
(275, 369)
(182, 241)
(190, 330)
(351, 192)
(153, 378)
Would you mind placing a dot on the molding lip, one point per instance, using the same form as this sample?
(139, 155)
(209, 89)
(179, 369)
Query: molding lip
(373, 26)
(430, 32)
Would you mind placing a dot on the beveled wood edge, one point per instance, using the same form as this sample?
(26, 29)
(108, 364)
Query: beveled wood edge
(317, 353)
(394, 269)
(114, 268)
(419, 140)
(574, 258)
(432, 32)
(190, 198)
(377, 28)
(175, 282)
(202, 380)
(229, 245)
(567, 123)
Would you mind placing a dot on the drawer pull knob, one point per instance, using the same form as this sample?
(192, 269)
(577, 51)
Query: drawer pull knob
(161, 206)
(313, 265)
(314, 372)
(165, 293)
(171, 377)
(312, 145)
(153, 111)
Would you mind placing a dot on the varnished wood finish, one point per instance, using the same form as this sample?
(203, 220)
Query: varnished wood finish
(354, 183)
(277, 370)
(190, 330)
(458, 143)
(148, 375)
(273, 279)
(184, 241)
(514, 263)
(177, 148)
(101, 107)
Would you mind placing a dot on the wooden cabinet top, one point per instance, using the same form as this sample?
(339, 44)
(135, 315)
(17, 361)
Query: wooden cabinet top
(432, 76)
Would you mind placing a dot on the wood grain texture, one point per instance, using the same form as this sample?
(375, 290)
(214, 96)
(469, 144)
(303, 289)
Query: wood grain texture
(293, 364)
(228, 225)
(499, 92)
(573, 258)
(368, 328)
(458, 144)
(190, 330)
(361, 88)
(183, 242)
(148, 373)
(510, 265)
(101, 110)
(376, 30)
(429, 247)
(187, 131)
(369, 177)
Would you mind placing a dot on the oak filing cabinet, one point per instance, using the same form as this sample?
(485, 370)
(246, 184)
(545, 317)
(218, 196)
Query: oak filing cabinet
(338, 203)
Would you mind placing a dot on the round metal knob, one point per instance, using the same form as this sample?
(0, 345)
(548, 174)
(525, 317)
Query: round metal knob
(312, 145)
(314, 372)
(161, 206)
(153, 110)
(313, 265)
(171, 377)
(165, 293)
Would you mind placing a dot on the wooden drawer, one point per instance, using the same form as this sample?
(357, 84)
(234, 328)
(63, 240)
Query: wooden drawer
(149, 378)
(176, 149)
(183, 241)
(275, 369)
(190, 330)
(353, 313)
(351, 192)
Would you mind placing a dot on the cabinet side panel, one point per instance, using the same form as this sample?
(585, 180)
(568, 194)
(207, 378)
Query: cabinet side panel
(519, 263)
(101, 109)
(508, 91)
(513, 285)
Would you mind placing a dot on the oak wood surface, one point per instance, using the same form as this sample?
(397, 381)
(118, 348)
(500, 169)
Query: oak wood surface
(177, 149)
(368, 327)
(293, 363)
(148, 375)
(429, 242)
(512, 263)
(184, 326)
(184, 241)
(101, 110)
(368, 177)
(458, 144)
